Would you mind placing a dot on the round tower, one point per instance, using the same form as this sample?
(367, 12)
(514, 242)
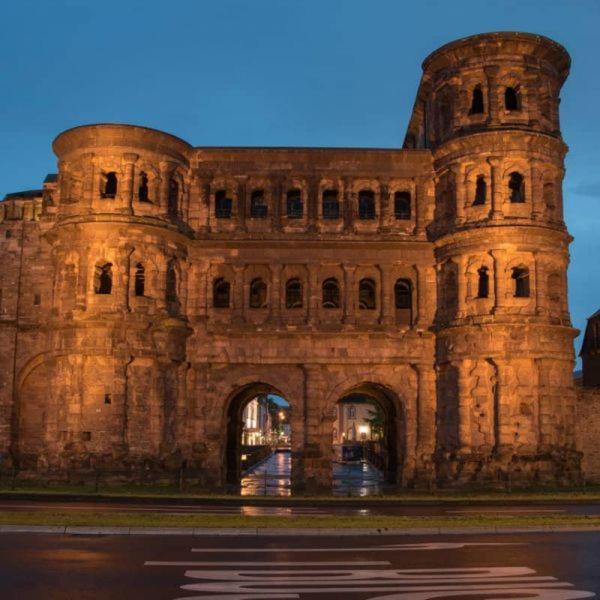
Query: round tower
(504, 337)
(118, 330)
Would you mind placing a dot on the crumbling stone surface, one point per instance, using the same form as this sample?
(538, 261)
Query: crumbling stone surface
(147, 291)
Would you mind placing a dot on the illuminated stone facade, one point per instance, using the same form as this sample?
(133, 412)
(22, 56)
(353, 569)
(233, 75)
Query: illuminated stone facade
(154, 287)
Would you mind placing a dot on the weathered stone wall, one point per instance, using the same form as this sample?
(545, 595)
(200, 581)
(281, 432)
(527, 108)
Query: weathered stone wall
(588, 430)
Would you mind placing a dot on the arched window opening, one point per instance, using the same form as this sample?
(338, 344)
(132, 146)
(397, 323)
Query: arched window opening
(8, 234)
(480, 191)
(258, 205)
(403, 294)
(402, 208)
(143, 188)
(295, 208)
(139, 280)
(483, 282)
(293, 294)
(103, 279)
(331, 293)
(521, 278)
(110, 185)
(512, 98)
(223, 205)
(331, 205)
(476, 101)
(366, 204)
(221, 293)
(171, 289)
(258, 293)
(549, 197)
(367, 299)
(554, 287)
(516, 185)
(173, 198)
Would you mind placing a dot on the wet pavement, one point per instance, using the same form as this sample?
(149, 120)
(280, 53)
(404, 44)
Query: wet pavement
(550, 566)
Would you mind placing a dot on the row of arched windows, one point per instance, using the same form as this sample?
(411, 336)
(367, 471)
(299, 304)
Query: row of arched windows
(512, 100)
(516, 189)
(519, 276)
(330, 294)
(330, 204)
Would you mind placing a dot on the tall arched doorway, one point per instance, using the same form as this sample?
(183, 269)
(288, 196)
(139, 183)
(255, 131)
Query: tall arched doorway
(258, 451)
(368, 441)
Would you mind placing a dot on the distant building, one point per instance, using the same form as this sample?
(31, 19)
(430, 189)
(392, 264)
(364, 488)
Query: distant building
(590, 351)
(356, 421)
(257, 423)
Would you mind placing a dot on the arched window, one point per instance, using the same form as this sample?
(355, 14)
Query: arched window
(295, 208)
(331, 205)
(331, 293)
(554, 287)
(402, 209)
(103, 279)
(367, 299)
(221, 293)
(223, 205)
(258, 293)
(8, 234)
(483, 282)
(139, 286)
(512, 98)
(293, 294)
(403, 294)
(366, 204)
(110, 185)
(480, 191)
(143, 188)
(476, 101)
(521, 278)
(516, 186)
(173, 198)
(171, 289)
(258, 206)
(549, 197)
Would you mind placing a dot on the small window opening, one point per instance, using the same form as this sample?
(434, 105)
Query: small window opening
(476, 101)
(110, 185)
(403, 294)
(293, 294)
(516, 185)
(295, 208)
(331, 205)
(86, 436)
(483, 283)
(8, 234)
(37, 299)
(402, 207)
(367, 295)
(103, 279)
(173, 198)
(139, 279)
(512, 98)
(258, 293)
(221, 293)
(258, 206)
(366, 204)
(107, 399)
(331, 293)
(480, 191)
(223, 205)
(143, 189)
(521, 278)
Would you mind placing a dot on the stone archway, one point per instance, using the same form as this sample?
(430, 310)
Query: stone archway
(236, 434)
(379, 433)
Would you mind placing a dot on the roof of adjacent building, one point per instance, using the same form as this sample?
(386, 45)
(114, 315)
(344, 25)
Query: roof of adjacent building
(24, 194)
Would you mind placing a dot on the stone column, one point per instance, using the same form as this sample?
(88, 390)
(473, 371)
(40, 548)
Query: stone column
(384, 201)
(495, 164)
(537, 199)
(166, 171)
(238, 293)
(349, 314)
(421, 296)
(426, 428)
(491, 72)
(500, 283)
(387, 308)
(313, 295)
(276, 294)
(536, 280)
(312, 204)
(459, 192)
(89, 191)
(348, 208)
(420, 202)
(464, 407)
(504, 433)
(241, 204)
(129, 160)
(277, 201)
(461, 284)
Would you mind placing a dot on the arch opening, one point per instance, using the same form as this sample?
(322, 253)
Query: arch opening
(258, 452)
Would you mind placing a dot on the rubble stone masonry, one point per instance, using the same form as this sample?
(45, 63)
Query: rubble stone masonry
(153, 287)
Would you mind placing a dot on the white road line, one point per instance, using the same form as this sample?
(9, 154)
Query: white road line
(277, 565)
(505, 511)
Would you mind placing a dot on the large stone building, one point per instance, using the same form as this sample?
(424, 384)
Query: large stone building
(153, 288)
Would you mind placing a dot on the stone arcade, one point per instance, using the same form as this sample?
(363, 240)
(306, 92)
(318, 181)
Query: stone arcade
(153, 287)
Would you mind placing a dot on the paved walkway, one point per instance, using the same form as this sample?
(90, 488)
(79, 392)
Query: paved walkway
(272, 477)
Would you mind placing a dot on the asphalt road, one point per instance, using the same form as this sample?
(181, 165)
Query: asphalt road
(365, 509)
(550, 566)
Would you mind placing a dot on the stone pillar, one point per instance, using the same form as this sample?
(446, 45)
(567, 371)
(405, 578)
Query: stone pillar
(349, 314)
(461, 284)
(387, 308)
(503, 428)
(348, 207)
(276, 294)
(313, 295)
(420, 203)
(241, 204)
(495, 165)
(277, 200)
(491, 72)
(500, 283)
(89, 191)
(426, 410)
(312, 204)
(464, 407)
(129, 160)
(536, 280)
(384, 201)
(166, 170)
(537, 195)
(459, 192)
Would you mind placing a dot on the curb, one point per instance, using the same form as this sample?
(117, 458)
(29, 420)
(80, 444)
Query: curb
(270, 532)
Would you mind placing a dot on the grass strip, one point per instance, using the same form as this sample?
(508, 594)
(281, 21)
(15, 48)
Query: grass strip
(131, 519)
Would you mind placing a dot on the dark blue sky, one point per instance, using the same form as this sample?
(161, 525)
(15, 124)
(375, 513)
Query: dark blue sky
(277, 72)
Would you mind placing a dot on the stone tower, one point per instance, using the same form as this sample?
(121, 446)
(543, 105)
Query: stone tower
(488, 110)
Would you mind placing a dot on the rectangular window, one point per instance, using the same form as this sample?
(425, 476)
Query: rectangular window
(37, 299)
(331, 205)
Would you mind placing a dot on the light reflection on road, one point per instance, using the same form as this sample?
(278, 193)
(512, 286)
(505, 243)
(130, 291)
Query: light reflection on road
(273, 478)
